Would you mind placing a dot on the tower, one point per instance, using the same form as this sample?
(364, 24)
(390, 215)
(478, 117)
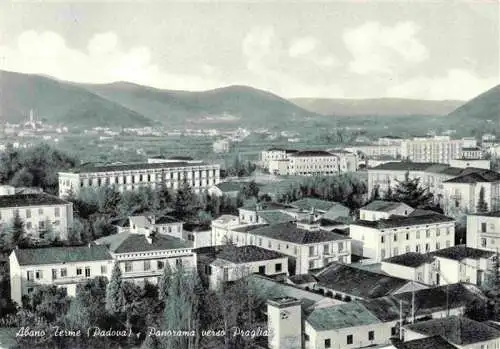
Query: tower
(284, 321)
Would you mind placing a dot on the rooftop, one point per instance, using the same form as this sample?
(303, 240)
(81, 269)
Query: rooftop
(67, 254)
(358, 282)
(403, 221)
(486, 214)
(273, 217)
(461, 252)
(382, 206)
(312, 153)
(230, 186)
(300, 279)
(457, 330)
(410, 259)
(166, 220)
(436, 342)
(484, 176)
(128, 242)
(307, 204)
(427, 167)
(35, 199)
(266, 206)
(339, 316)
(289, 232)
(246, 254)
(132, 167)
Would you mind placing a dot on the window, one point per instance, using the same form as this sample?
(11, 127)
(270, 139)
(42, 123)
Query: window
(395, 237)
(483, 227)
(269, 244)
(306, 337)
(147, 265)
(407, 249)
(295, 250)
(407, 236)
(427, 233)
(54, 274)
(311, 264)
(278, 267)
(64, 290)
(30, 290)
(38, 274)
(438, 245)
(260, 241)
(438, 232)
(160, 265)
(30, 276)
(395, 251)
(225, 276)
(418, 234)
(262, 269)
(311, 250)
(128, 266)
(350, 340)
(87, 272)
(63, 272)
(326, 249)
(448, 231)
(328, 343)
(104, 269)
(448, 243)
(28, 213)
(382, 253)
(57, 211)
(371, 335)
(394, 331)
(417, 248)
(382, 239)
(419, 276)
(40, 211)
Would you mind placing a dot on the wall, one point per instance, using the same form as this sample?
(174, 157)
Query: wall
(487, 240)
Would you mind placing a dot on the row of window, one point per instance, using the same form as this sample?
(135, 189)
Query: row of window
(417, 249)
(417, 234)
(27, 212)
(33, 275)
(129, 266)
(349, 339)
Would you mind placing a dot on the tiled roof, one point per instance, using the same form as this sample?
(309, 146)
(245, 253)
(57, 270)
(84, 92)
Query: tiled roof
(357, 282)
(457, 330)
(486, 214)
(266, 206)
(127, 242)
(132, 167)
(226, 187)
(289, 232)
(410, 259)
(401, 221)
(427, 301)
(120, 222)
(403, 166)
(461, 252)
(308, 204)
(273, 217)
(249, 227)
(484, 176)
(311, 153)
(382, 206)
(249, 253)
(166, 220)
(339, 316)
(194, 227)
(436, 342)
(37, 199)
(67, 254)
(300, 279)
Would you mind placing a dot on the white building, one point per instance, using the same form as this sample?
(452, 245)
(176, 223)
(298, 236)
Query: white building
(378, 240)
(313, 163)
(460, 331)
(234, 263)
(274, 153)
(461, 194)
(64, 267)
(483, 231)
(7, 190)
(348, 161)
(143, 256)
(199, 176)
(477, 163)
(380, 209)
(438, 149)
(392, 151)
(488, 140)
(221, 146)
(40, 212)
(199, 234)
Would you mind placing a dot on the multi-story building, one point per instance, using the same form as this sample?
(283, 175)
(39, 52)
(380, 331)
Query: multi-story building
(483, 231)
(390, 140)
(392, 151)
(143, 256)
(199, 176)
(438, 149)
(274, 153)
(64, 267)
(40, 213)
(471, 153)
(313, 163)
(488, 140)
(476, 163)
(348, 161)
(462, 194)
(378, 240)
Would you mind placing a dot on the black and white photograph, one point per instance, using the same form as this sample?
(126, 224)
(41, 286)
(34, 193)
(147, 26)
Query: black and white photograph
(249, 174)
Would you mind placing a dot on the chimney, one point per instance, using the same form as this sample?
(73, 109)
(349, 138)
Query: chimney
(284, 321)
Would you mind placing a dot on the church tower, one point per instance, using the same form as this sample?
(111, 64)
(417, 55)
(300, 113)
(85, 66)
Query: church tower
(284, 321)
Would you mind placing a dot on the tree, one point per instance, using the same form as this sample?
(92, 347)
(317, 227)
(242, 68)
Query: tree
(184, 199)
(17, 229)
(375, 193)
(412, 193)
(482, 205)
(250, 190)
(164, 282)
(114, 292)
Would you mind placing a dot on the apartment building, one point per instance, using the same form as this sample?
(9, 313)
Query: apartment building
(437, 149)
(461, 194)
(378, 240)
(313, 163)
(392, 151)
(483, 231)
(142, 256)
(64, 267)
(348, 161)
(40, 212)
(273, 154)
(200, 176)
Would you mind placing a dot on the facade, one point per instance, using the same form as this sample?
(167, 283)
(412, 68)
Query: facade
(313, 163)
(412, 266)
(438, 149)
(483, 231)
(471, 153)
(392, 151)
(272, 154)
(321, 208)
(461, 194)
(284, 317)
(40, 212)
(229, 189)
(64, 267)
(379, 209)
(199, 234)
(221, 146)
(348, 161)
(488, 140)
(143, 256)
(125, 177)
(477, 163)
(234, 263)
(378, 240)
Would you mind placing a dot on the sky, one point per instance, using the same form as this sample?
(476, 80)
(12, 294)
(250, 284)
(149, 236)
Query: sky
(420, 49)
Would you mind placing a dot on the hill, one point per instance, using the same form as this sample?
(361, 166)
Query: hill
(484, 107)
(234, 104)
(60, 102)
(377, 107)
